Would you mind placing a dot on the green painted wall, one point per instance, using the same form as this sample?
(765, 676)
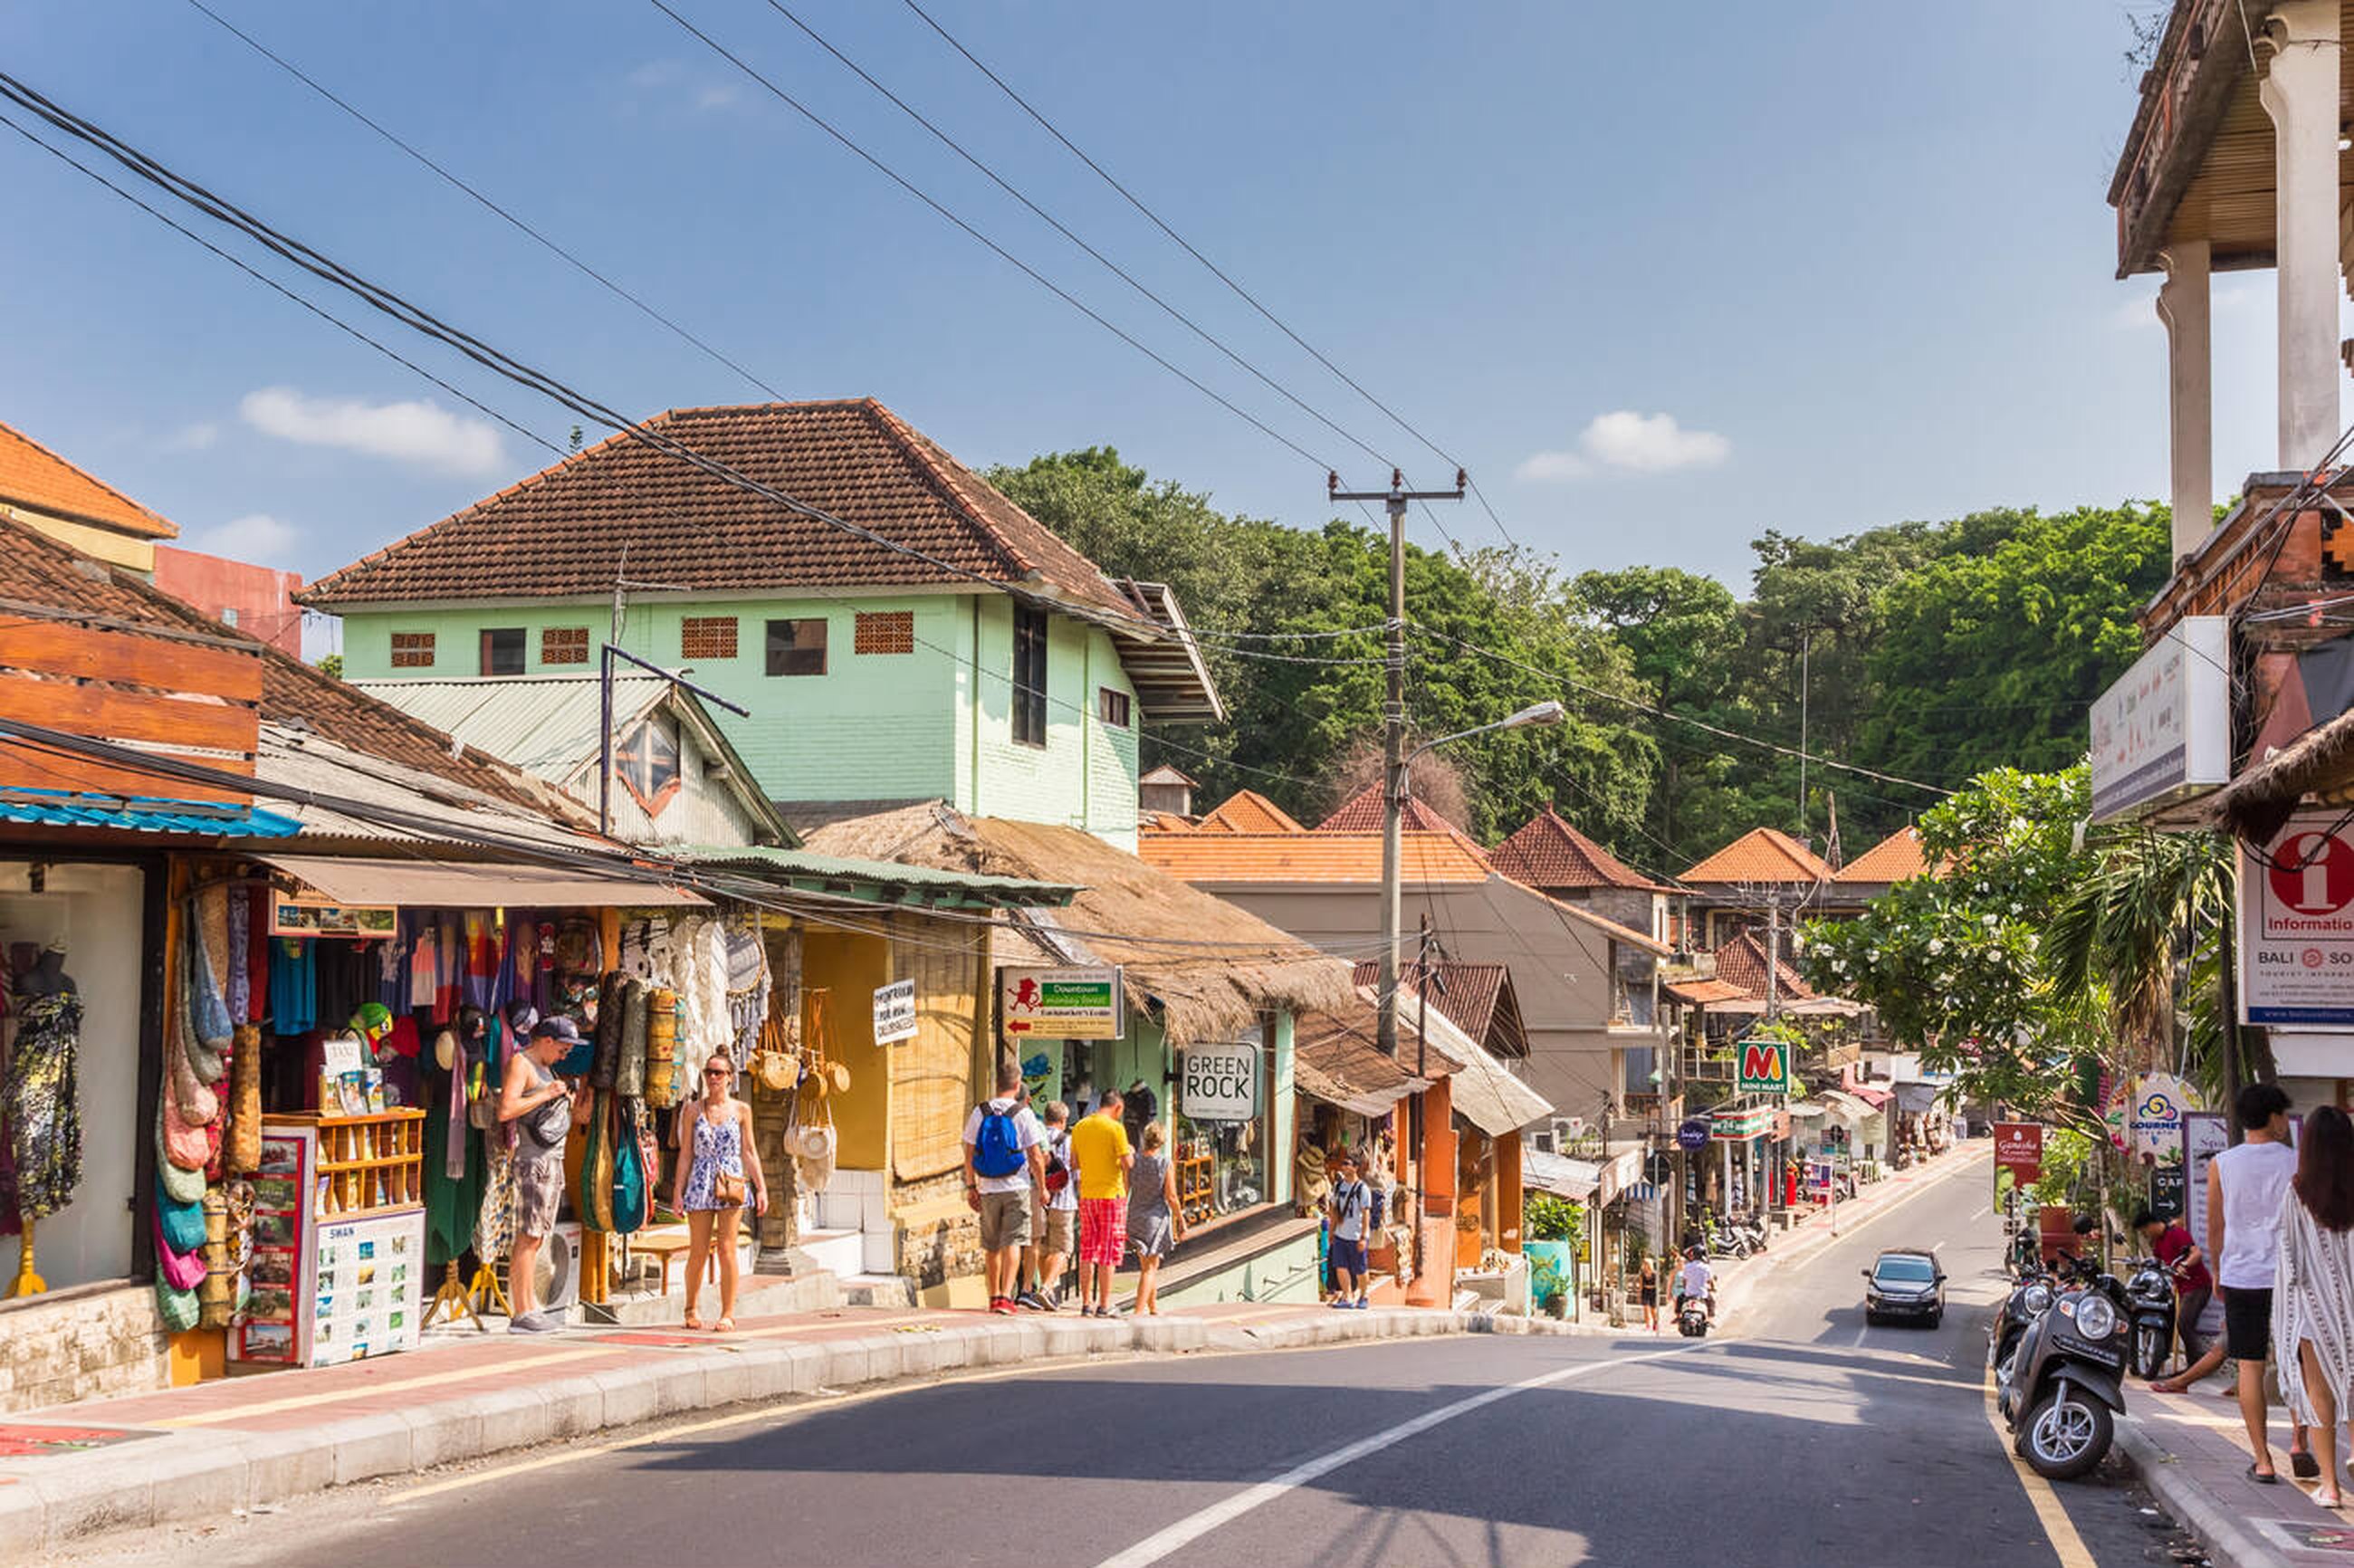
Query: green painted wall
(1285, 1273)
(934, 722)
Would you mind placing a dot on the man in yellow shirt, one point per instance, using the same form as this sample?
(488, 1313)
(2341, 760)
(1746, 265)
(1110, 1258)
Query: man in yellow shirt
(1099, 1146)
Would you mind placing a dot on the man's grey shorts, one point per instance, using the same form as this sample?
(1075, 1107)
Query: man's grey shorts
(539, 1189)
(1004, 1220)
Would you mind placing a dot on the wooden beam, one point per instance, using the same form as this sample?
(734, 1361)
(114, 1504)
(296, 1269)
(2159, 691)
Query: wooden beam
(56, 648)
(26, 768)
(107, 714)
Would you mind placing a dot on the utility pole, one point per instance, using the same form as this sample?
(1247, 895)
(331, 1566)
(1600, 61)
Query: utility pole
(1806, 672)
(1394, 784)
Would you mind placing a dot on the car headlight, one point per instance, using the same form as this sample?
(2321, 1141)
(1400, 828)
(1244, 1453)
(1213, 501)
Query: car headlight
(2038, 1298)
(2096, 1318)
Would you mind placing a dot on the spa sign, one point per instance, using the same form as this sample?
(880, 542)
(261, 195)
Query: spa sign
(1062, 1004)
(1220, 1082)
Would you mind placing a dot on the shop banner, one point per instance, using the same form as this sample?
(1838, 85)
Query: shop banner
(1220, 1083)
(2154, 1128)
(2296, 930)
(2018, 1157)
(895, 1012)
(2205, 1134)
(1765, 1066)
(1693, 1134)
(1741, 1126)
(1063, 1004)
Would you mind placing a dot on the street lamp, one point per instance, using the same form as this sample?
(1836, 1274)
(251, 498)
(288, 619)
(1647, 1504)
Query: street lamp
(1394, 796)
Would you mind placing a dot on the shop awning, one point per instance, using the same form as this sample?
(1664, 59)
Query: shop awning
(1336, 1058)
(1849, 1107)
(1917, 1098)
(1705, 992)
(1876, 1098)
(459, 885)
(1575, 1179)
(1806, 1110)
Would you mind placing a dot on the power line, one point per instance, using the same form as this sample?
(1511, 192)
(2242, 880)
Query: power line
(1658, 711)
(506, 214)
(998, 250)
(1215, 271)
(1056, 224)
(415, 318)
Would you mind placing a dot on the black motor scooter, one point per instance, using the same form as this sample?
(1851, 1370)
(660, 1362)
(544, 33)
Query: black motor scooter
(2151, 1302)
(2029, 1297)
(2066, 1381)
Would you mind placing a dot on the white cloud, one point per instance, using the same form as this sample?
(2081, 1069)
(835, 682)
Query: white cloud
(1631, 444)
(718, 96)
(257, 537)
(670, 81)
(195, 438)
(415, 432)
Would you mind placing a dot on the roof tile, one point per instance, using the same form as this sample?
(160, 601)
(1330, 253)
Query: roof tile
(38, 479)
(1248, 811)
(1761, 855)
(564, 532)
(1547, 851)
(1892, 859)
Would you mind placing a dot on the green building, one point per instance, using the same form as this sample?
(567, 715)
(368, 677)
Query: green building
(925, 639)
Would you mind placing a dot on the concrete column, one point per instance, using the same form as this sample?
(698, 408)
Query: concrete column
(2300, 93)
(2184, 305)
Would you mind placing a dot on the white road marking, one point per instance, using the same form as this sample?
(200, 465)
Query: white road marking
(1983, 1211)
(1163, 1543)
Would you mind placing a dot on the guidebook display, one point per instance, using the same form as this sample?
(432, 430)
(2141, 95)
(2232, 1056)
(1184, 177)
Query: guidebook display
(338, 1269)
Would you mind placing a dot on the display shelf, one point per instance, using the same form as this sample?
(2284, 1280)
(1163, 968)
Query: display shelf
(369, 1164)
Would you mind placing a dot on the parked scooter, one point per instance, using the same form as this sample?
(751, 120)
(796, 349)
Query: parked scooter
(2150, 1301)
(2065, 1385)
(2030, 1299)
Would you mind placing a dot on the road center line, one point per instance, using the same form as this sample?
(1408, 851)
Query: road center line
(1163, 1543)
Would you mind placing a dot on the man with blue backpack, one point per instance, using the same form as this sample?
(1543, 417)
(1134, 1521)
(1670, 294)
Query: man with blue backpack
(1004, 1161)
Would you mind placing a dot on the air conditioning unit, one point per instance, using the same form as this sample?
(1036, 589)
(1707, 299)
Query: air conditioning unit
(556, 1275)
(1543, 1141)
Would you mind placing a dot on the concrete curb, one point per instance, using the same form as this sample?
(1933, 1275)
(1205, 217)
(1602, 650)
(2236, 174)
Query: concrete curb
(2226, 1537)
(189, 1475)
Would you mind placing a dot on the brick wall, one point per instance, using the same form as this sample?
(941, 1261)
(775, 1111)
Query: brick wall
(939, 1234)
(82, 1344)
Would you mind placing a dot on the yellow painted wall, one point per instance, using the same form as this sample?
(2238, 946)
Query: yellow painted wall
(83, 538)
(849, 966)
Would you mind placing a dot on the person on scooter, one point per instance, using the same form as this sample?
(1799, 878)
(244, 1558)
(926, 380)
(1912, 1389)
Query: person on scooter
(1696, 1281)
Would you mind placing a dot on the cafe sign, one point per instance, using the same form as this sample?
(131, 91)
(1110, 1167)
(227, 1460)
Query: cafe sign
(1063, 1003)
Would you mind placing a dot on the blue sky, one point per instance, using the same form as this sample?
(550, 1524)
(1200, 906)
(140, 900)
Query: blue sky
(1662, 286)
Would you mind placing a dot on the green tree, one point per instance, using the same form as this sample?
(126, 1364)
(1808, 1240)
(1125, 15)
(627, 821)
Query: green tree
(332, 666)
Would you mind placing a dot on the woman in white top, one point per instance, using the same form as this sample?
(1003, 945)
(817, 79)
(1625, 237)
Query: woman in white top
(2313, 1293)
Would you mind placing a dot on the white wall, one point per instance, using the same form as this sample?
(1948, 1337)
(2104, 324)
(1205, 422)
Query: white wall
(96, 908)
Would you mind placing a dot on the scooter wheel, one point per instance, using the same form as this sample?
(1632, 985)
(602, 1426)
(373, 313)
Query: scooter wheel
(2066, 1435)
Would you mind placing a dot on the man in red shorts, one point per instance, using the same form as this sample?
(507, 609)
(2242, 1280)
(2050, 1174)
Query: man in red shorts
(1100, 1148)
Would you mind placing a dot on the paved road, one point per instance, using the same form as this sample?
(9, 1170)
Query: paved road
(1801, 1438)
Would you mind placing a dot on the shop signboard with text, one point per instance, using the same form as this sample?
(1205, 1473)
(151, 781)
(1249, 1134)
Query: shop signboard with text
(895, 1012)
(1063, 1003)
(2296, 924)
(1220, 1083)
(2205, 1134)
(2162, 733)
(2018, 1157)
(1764, 1066)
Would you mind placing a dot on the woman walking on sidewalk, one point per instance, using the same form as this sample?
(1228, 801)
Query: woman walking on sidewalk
(717, 1175)
(1155, 1222)
(2312, 1317)
(1647, 1286)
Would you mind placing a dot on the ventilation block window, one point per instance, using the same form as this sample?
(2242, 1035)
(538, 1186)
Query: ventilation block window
(503, 650)
(884, 631)
(564, 645)
(707, 636)
(1111, 707)
(412, 650)
(1029, 675)
(797, 647)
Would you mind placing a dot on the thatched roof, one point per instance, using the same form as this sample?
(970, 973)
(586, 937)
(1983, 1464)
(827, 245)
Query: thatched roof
(1208, 969)
(2320, 763)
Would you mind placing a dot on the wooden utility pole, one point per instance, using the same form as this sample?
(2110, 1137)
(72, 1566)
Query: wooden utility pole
(1394, 499)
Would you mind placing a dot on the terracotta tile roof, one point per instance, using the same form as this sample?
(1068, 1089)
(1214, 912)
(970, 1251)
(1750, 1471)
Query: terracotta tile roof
(1248, 811)
(1477, 998)
(36, 569)
(1892, 859)
(1742, 962)
(1337, 1057)
(38, 479)
(1210, 857)
(1164, 823)
(1548, 852)
(1362, 813)
(1700, 992)
(564, 532)
(1761, 855)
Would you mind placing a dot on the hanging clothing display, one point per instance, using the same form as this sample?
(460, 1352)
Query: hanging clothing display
(41, 1100)
(293, 986)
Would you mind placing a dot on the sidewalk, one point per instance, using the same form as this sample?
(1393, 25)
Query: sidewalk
(2192, 1452)
(191, 1454)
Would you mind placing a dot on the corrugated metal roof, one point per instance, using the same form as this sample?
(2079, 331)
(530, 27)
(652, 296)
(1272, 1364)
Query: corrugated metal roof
(797, 865)
(544, 725)
(141, 814)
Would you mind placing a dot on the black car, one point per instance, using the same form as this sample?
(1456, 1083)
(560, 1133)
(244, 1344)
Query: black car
(1904, 1284)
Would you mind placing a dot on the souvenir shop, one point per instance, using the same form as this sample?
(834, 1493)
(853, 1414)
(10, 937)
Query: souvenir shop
(75, 942)
(331, 1175)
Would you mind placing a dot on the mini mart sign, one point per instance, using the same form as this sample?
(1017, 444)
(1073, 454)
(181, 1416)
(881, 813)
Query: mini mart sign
(1763, 1066)
(1063, 1004)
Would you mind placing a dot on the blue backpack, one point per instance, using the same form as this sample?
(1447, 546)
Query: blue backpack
(997, 1146)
